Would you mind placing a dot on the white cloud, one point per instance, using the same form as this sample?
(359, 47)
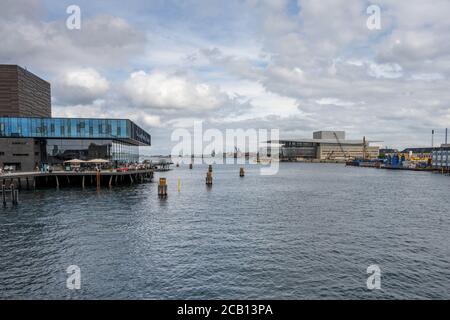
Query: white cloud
(80, 86)
(387, 70)
(163, 90)
(427, 77)
(88, 79)
(334, 101)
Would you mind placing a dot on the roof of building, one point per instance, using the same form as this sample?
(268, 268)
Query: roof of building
(74, 128)
(388, 150)
(418, 150)
(327, 141)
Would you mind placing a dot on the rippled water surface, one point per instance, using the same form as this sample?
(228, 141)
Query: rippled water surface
(310, 231)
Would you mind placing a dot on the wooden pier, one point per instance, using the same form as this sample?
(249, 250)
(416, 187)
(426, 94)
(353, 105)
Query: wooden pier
(58, 179)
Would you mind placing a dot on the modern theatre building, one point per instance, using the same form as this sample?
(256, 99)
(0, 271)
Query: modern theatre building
(30, 137)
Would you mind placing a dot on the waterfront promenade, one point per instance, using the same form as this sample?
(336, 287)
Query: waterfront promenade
(57, 179)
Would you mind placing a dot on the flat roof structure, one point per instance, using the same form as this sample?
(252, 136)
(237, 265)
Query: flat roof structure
(74, 128)
(327, 141)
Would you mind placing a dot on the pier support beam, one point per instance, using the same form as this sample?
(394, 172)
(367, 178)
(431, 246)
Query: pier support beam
(98, 179)
(4, 193)
(82, 182)
(57, 182)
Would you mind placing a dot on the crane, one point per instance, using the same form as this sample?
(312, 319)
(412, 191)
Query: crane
(340, 146)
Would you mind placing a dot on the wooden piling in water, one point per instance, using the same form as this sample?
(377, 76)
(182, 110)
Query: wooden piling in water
(98, 179)
(4, 194)
(162, 188)
(241, 172)
(209, 179)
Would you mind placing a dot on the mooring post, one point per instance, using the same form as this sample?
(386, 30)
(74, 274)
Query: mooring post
(82, 182)
(110, 181)
(34, 183)
(209, 179)
(57, 182)
(28, 184)
(162, 188)
(241, 172)
(131, 179)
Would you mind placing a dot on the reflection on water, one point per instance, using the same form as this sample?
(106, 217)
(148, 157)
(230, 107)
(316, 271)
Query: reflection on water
(311, 231)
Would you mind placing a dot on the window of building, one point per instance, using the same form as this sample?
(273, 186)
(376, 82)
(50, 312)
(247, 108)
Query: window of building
(20, 154)
(2, 153)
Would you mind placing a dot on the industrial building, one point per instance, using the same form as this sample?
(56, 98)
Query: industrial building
(325, 145)
(441, 157)
(30, 137)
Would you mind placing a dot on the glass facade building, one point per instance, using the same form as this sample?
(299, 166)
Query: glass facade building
(73, 128)
(59, 139)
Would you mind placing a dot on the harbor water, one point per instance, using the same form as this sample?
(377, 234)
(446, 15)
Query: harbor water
(308, 232)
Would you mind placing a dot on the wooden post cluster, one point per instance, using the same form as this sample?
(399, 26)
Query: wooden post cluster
(14, 194)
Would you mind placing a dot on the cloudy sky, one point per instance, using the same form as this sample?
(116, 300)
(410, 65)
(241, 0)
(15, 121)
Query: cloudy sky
(295, 65)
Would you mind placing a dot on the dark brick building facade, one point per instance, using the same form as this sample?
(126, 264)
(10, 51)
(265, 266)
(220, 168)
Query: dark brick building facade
(23, 94)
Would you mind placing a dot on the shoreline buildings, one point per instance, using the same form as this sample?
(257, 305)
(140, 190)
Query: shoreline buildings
(30, 137)
(326, 145)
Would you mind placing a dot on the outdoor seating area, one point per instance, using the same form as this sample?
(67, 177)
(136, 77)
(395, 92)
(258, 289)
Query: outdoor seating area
(78, 165)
